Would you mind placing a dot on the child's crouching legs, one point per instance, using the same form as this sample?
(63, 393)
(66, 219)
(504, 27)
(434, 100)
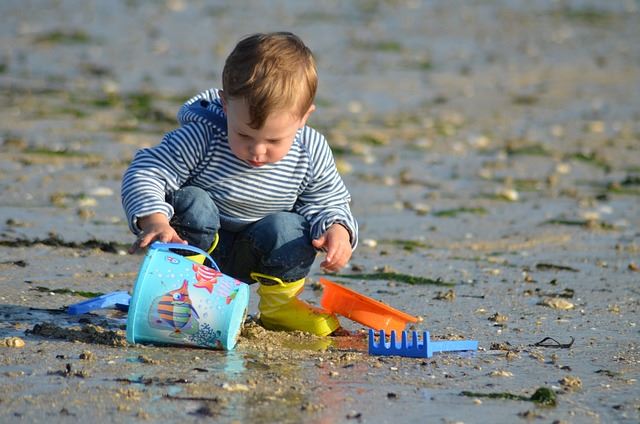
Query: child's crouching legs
(280, 248)
(196, 218)
(278, 245)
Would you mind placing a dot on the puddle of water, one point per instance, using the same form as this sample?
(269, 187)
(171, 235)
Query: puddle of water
(16, 370)
(233, 364)
(356, 343)
(174, 390)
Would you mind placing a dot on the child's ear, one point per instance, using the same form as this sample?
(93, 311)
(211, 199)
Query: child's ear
(303, 121)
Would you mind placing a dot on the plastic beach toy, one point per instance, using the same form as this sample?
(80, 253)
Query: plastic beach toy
(414, 347)
(362, 309)
(108, 300)
(180, 302)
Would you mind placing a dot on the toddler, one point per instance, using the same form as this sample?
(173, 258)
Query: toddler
(247, 180)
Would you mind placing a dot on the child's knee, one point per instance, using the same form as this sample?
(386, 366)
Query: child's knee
(189, 197)
(194, 207)
(194, 213)
(282, 228)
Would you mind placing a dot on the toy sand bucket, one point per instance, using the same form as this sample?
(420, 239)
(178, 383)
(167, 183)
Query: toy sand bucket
(180, 302)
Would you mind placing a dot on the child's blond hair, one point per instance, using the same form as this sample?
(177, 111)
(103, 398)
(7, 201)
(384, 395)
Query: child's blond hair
(271, 72)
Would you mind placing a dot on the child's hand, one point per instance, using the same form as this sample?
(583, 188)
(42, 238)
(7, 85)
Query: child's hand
(155, 227)
(335, 241)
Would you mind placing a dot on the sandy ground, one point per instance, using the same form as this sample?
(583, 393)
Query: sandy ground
(491, 145)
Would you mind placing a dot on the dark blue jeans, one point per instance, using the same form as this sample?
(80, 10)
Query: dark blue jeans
(277, 245)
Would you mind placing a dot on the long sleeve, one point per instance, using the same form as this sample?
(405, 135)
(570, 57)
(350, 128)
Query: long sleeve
(158, 170)
(325, 199)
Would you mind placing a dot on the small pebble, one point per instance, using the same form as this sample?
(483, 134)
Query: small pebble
(501, 373)
(101, 192)
(87, 355)
(563, 168)
(354, 415)
(557, 303)
(511, 355)
(570, 382)
(12, 342)
(499, 318)
(237, 387)
(147, 360)
(370, 242)
(509, 194)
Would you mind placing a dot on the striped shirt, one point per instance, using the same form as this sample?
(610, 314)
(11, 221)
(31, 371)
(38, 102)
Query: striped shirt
(305, 181)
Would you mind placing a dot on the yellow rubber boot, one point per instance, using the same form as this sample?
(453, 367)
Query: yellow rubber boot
(201, 258)
(280, 308)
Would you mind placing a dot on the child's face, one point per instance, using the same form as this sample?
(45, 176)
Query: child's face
(268, 144)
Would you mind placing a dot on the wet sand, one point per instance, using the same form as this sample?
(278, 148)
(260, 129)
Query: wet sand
(491, 145)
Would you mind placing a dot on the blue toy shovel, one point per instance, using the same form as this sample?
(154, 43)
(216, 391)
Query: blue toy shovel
(118, 299)
(414, 347)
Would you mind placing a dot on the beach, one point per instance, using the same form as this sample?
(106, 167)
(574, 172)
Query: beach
(492, 153)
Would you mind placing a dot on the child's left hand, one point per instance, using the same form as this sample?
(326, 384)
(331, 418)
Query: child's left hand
(336, 242)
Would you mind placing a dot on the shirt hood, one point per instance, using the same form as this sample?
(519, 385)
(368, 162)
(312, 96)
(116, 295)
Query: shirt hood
(205, 108)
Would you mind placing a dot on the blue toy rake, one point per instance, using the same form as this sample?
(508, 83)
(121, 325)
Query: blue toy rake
(119, 300)
(414, 347)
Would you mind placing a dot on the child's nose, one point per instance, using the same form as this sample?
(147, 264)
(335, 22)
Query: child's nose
(259, 149)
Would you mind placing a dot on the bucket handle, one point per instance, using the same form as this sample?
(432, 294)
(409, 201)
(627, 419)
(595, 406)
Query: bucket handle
(180, 246)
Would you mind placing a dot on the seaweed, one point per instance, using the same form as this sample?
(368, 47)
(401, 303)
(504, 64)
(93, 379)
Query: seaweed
(63, 37)
(629, 186)
(44, 151)
(55, 241)
(449, 213)
(403, 278)
(527, 184)
(528, 150)
(565, 293)
(81, 293)
(140, 104)
(495, 395)
(608, 373)
(586, 15)
(591, 159)
(422, 64)
(524, 99)
(586, 223)
(373, 139)
(542, 266)
(341, 150)
(542, 396)
(381, 46)
(408, 245)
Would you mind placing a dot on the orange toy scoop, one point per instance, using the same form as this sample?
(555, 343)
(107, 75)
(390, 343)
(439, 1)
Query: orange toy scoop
(362, 309)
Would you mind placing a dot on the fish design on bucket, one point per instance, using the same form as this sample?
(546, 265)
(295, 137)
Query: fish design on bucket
(229, 289)
(173, 310)
(209, 278)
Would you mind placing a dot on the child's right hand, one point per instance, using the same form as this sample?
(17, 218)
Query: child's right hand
(155, 227)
